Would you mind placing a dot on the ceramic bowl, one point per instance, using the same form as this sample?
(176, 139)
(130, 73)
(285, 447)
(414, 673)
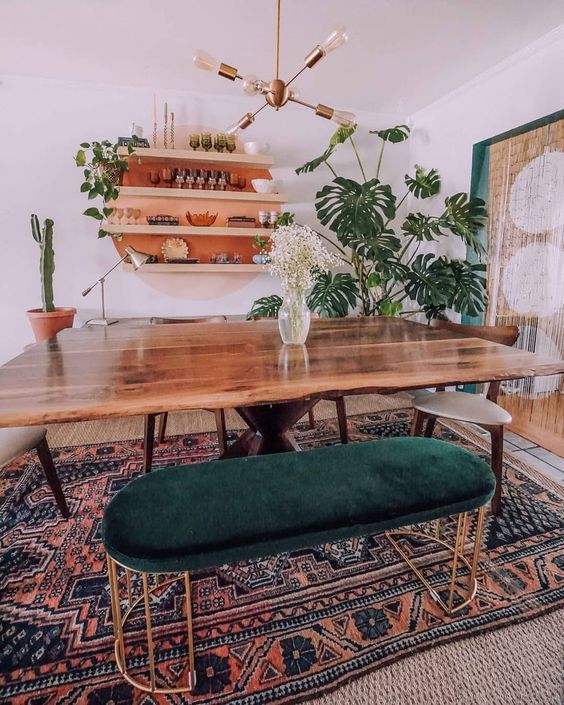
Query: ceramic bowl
(256, 147)
(266, 185)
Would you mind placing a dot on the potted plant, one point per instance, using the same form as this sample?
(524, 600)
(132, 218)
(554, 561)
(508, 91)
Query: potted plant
(103, 174)
(260, 243)
(391, 274)
(48, 320)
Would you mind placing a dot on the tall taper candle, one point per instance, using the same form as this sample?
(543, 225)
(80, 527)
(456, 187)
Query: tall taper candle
(165, 137)
(154, 121)
(172, 129)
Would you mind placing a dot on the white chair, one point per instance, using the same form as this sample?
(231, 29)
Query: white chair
(17, 441)
(470, 408)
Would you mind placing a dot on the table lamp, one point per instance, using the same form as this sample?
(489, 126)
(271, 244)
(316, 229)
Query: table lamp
(138, 259)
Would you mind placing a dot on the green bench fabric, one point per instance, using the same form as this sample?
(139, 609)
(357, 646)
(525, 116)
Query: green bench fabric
(207, 514)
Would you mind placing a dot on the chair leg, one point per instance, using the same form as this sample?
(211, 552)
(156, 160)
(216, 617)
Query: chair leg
(311, 418)
(430, 427)
(148, 442)
(162, 427)
(496, 433)
(342, 418)
(46, 460)
(417, 423)
(221, 430)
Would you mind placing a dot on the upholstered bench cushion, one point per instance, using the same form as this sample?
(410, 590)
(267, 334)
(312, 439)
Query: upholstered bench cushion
(197, 516)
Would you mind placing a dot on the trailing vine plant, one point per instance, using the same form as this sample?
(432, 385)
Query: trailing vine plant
(388, 268)
(103, 169)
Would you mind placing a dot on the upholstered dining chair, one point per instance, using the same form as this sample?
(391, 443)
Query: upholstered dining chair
(17, 441)
(470, 408)
(150, 419)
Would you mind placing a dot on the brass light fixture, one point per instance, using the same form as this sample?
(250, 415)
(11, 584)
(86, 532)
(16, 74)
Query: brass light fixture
(278, 92)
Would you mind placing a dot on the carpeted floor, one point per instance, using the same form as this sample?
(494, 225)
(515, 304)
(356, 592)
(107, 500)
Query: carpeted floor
(292, 626)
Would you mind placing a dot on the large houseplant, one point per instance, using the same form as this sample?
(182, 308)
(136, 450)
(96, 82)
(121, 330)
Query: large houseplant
(103, 169)
(389, 270)
(49, 319)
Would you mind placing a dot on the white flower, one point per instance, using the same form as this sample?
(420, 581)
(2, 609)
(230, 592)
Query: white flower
(297, 256)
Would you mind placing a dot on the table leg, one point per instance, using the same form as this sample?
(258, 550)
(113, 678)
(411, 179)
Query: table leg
(269, 428)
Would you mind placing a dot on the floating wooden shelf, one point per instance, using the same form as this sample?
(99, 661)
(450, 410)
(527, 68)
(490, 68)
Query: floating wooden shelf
(257, 161)
(186, 230)
(162, 268)
(203, 195)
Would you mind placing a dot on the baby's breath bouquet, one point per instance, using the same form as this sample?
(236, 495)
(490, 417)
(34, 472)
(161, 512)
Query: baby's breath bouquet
(297, 257)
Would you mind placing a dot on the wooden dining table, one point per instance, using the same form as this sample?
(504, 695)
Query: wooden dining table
(96, 373)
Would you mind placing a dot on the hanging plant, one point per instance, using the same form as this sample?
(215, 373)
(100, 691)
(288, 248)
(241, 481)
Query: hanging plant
(103, 170)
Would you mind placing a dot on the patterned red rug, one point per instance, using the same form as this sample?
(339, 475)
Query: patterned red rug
(277, 630)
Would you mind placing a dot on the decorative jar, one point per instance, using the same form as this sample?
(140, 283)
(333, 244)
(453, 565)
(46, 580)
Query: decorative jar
(294, 318)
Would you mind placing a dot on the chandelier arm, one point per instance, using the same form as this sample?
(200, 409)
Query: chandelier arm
(262, 107)
(304, 67)
(278, 39)
(301, 102)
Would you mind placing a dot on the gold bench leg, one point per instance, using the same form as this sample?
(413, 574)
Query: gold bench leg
(144, 599)
(458, 557)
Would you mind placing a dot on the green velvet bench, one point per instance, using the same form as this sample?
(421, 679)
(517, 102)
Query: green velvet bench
(186, 518)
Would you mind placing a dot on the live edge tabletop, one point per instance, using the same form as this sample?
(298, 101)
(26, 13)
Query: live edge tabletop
(94, 373)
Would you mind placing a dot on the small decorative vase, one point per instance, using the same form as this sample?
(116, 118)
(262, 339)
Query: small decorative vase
(294, 318)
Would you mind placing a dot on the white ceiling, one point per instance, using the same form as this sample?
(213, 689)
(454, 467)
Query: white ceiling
(401, 56)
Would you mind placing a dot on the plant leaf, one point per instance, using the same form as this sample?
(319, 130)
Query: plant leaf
(396, 134)
(427, 282)
(377, 246)
(424, 184)
(341, 135)
(80, 158)
(465, 217)
(285, 218)
(93, 213)
(353, 210)
(265, 307)
(387, 307)
(468, 291)
(333, 295)
(312, 165)
(422, 227)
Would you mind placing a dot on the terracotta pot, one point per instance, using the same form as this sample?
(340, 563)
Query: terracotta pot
(46, 325)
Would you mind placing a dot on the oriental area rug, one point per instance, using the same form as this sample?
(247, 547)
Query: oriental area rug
(279, 630)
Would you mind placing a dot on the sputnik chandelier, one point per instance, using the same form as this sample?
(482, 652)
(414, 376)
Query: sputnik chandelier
(278, 92)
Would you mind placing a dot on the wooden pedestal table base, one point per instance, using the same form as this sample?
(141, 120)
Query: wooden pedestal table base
(269, 428)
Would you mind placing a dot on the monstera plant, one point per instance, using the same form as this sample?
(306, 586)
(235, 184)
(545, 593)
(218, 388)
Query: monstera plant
(389, 270)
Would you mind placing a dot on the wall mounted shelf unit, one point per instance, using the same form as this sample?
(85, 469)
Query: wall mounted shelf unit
(178, 268)
(203, 195)
(253, 161)
(188, 230)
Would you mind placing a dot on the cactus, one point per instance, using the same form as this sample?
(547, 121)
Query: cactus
(44, 238)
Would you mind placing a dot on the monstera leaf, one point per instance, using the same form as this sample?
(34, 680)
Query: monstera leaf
(341, 135)
(396, 134)
(424, 185)
(333, 295)
(468, 287)
(266, 307)
(422, 227)
(464, 217)
(427, 282)
(312, 165)
(387, 307)
(353, 210)
(378, 246)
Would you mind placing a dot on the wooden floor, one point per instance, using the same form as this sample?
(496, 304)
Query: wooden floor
(539, 420)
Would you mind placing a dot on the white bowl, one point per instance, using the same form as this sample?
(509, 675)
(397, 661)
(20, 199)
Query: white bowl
(256, 147)
(266, 185)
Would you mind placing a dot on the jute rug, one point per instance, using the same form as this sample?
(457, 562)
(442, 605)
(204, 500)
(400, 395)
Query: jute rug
(287, 628)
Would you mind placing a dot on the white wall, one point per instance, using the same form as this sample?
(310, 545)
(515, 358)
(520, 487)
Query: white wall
(527, 86)
(42, 122)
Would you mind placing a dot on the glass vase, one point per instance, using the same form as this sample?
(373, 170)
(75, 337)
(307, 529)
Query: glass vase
(294, 318)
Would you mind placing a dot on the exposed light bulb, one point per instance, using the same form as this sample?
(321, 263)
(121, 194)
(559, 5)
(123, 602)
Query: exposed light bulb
(337, 37)
(343, 118)
(206, 61)
(253, 85)
(242, 124)
(294, 93)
